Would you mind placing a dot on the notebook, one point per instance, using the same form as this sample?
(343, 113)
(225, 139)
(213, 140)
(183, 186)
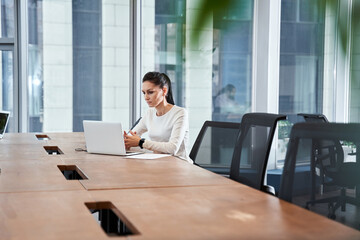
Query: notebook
(4, 119)
(105, 138)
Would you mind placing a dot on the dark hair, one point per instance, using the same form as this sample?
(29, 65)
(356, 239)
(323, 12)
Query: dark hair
(161, 80)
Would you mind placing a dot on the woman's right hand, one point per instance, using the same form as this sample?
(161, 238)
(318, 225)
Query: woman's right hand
(131, 140)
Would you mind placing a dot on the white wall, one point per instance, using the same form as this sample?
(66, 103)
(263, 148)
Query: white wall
(115, 61)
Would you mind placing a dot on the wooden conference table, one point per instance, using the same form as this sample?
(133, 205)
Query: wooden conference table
(164, 198)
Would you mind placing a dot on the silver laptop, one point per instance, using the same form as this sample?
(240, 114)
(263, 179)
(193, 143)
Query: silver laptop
(4, 120)
(105, 138)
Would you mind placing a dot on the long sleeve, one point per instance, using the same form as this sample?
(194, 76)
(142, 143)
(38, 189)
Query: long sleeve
(168, 133)
(176, 138)
(141, 128)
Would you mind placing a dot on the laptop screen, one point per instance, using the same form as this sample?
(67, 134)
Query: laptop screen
(4, 118)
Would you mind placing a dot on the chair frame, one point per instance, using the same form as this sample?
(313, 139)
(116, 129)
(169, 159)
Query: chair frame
(249, 120)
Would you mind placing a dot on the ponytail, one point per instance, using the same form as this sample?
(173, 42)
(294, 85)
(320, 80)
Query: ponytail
(169, 96)
(161, 80)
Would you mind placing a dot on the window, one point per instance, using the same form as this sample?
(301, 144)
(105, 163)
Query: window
(301, 83)
(78, 60)
(8, 92)
(301, 56)
(211, 78)
(78, 63)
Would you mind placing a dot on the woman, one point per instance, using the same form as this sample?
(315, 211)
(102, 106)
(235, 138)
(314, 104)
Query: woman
(166, 124)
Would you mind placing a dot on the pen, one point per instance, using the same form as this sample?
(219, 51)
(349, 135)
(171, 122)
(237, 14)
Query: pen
(134, 125)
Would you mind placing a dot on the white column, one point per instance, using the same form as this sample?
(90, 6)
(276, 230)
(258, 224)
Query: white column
(329, 63)
(198, 71)
(266, 56)
(342, 68)
(266, 62)
(57, 65)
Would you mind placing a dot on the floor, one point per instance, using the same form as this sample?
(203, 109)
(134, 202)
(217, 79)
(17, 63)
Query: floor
(349, 217)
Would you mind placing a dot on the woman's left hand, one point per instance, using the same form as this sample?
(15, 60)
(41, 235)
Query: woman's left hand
(131, 140)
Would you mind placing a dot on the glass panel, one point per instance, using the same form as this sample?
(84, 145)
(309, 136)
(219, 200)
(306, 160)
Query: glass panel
(301, 57)
(7, 18)
(7, 87)
(232, 60)
(78, 63)
(217, 147)
(212, 77)
(302, 86)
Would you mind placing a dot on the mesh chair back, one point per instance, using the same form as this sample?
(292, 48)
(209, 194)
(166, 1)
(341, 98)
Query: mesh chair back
(214, 146)
(329, 153)
(334, 142)
(254, 143)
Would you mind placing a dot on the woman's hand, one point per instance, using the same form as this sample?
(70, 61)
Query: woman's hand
(131, 140)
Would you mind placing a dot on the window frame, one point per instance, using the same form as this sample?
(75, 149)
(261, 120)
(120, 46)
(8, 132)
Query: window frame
(10, 44)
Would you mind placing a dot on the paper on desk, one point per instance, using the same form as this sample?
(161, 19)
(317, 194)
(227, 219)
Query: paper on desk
(148, 156)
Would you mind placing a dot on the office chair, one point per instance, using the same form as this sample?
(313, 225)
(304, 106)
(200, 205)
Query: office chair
(329, 154)
(248, 165)
(299, 181)
(319, 163)
(214, 146)
(308, 117)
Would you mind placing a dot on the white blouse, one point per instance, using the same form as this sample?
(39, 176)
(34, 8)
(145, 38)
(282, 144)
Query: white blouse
(168, 133)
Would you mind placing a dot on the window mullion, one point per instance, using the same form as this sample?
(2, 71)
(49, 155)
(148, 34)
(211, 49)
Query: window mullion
(135, 60)
(20, 63)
